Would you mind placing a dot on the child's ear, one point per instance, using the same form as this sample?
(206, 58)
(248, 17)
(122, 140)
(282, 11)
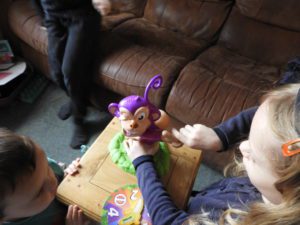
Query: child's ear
(113, 108)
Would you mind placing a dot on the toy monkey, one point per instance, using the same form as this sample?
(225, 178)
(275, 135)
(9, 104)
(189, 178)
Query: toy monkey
(141, 120)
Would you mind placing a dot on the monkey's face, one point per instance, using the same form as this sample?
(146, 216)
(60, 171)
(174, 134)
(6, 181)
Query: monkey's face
(135, 124)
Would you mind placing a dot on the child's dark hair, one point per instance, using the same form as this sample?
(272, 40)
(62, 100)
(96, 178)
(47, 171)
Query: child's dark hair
(17, 158)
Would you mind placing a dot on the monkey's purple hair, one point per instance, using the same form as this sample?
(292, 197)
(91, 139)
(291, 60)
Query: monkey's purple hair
(133, 102)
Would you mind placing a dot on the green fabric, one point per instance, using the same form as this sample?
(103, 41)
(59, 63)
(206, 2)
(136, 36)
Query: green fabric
(119, 156)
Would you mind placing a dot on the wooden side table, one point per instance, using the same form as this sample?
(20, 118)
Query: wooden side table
(99, 176)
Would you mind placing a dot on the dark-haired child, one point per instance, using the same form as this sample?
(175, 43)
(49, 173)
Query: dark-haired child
(29, 182)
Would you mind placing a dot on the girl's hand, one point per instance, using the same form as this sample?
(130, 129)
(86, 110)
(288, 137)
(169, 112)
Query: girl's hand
(136, 148)
(73, 168)
(75, 216)
(198, 136)
(168, 137)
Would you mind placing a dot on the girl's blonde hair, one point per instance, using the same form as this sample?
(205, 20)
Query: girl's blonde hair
(281, 103)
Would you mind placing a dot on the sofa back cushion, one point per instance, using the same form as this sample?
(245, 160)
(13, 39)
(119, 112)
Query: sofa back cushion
(196, 19)
(133, 6)
(264, 30)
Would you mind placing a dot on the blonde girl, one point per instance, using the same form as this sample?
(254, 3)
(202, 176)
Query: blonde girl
(268, 194)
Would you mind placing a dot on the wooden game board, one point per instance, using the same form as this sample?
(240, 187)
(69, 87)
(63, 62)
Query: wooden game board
(99, 176)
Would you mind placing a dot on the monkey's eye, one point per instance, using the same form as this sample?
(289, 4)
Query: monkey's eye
(142, 116)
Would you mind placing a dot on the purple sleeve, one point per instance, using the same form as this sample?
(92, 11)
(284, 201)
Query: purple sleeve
(235, 128)
(161, 208)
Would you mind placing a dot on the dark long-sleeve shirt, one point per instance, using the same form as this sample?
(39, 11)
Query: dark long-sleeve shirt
(236, 128)
(234, 192)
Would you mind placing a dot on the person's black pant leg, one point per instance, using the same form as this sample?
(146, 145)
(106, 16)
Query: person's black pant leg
(79, 60)
(57, 36)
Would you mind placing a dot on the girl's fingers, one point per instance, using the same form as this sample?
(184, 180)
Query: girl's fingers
(189, 128)
(184, 132)
(178, 135)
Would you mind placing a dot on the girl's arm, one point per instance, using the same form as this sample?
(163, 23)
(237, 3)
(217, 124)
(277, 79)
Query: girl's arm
(236, 128)
(219, 138)
(161, 208)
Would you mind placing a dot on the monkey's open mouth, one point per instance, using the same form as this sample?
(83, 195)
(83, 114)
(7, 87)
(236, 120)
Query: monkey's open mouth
(130, 133)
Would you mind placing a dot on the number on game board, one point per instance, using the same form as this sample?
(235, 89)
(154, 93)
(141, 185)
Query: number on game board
(113, 212)
(120, 200)
(133, 196)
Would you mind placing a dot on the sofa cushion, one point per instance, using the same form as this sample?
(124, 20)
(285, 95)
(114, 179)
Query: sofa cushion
(200, 20)
(278, 13)
(217, 85)
(111, 21)
(126, 68)
(143, 32)
(135, 7)
(267, 31)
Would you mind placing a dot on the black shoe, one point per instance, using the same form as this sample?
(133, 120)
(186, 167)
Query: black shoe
(80, 136)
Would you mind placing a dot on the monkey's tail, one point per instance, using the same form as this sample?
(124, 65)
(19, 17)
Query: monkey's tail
(154, 83)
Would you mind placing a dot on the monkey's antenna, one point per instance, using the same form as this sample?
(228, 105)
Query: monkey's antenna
(154, 83)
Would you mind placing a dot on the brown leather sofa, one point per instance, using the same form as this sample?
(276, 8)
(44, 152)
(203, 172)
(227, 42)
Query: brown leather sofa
(216, 57)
